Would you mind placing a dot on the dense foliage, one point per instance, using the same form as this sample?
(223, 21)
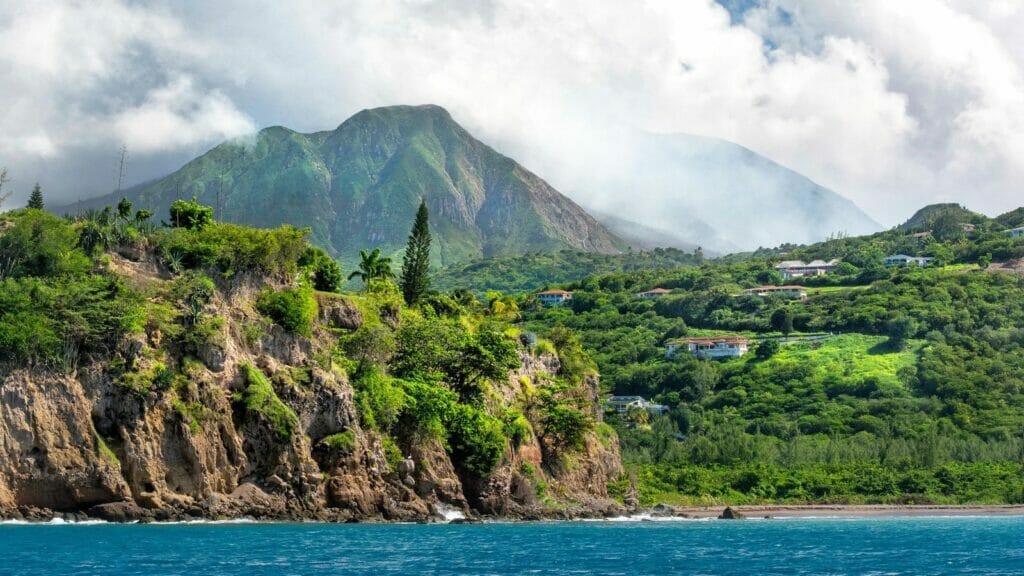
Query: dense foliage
(895, 385)
(537, 270)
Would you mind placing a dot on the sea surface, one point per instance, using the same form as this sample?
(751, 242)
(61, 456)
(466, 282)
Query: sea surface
(944, 545)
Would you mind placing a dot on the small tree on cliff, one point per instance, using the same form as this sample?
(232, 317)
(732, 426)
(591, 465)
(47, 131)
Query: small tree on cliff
(415, 279)
(36, 199)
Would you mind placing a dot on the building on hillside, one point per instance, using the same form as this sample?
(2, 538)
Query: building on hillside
(904, 260)
(794, 292)
(710, 347)
(621, 405)
(969, 229)
(799, 268)
(554, 297)
(655, 293)
(1016, 232)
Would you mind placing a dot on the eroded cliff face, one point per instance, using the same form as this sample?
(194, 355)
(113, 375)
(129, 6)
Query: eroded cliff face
(89, 443)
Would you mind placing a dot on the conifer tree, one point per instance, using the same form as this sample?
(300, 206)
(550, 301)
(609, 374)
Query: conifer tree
(415, 280)
(36, 199)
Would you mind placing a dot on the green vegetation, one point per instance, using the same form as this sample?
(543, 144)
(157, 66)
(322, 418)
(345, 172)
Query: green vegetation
(324, 271)
(373, 267)
(415, 279)
(294, 309)
(54, 310)
(343, 441)
(259, 398)
(190, 215)
(895, 384)
(357, 186)
(35, 200)
(536, 270)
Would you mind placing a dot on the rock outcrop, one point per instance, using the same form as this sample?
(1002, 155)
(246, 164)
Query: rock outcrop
(94, 442)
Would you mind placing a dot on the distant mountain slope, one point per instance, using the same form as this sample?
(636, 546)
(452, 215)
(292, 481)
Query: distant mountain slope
(923, 218)
(358, 186)
(642, 237)
(681, 183)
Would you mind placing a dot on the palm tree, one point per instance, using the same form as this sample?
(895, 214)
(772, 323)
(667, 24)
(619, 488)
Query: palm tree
(373, 266)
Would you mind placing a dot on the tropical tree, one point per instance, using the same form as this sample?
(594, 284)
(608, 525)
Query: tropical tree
(35, 201)
(415, 279)
(190, 215)
(372, 266)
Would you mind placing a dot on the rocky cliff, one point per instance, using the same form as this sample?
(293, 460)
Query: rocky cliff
(155, 432)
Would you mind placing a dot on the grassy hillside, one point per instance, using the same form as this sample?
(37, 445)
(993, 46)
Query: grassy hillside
(914, 394)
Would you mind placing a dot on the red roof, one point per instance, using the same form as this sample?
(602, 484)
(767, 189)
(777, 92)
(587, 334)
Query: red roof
(657, 291)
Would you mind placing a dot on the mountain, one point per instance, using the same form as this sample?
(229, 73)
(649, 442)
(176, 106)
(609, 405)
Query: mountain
(686, 185)
(924, 217)
(359, 185)
(697, 234)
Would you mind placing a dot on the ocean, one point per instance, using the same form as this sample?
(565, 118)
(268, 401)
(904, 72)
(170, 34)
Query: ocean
(896, 545)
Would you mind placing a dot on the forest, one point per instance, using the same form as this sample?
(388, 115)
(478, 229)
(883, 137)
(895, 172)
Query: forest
(883, 385)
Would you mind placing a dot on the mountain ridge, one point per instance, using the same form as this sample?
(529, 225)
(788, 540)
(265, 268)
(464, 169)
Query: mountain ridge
(358, 185)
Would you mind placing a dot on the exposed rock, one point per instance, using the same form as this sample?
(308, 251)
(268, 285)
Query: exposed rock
(730, 514)
(662, 511)
(337, 312)
(90, 442)
(117, 512)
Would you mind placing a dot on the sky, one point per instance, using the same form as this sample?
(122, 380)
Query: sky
(893, 104)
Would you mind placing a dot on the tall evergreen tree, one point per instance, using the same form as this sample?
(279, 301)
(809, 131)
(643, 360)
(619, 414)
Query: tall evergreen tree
(36, 199)
(415, 279)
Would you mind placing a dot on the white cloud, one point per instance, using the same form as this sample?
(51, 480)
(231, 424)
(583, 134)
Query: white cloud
(893, 104)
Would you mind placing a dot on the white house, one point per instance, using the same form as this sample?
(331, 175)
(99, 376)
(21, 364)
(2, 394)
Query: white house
(904, 260)
(712, 347)
(623, 404)
(795, 292)
(554, 297)
(655, 293)
(1016, 232)
(799, 268)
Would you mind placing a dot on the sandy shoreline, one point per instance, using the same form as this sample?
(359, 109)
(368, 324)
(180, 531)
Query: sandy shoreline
(859, 510)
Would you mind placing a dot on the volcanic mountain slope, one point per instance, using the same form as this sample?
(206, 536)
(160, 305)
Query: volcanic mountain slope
(359, 185)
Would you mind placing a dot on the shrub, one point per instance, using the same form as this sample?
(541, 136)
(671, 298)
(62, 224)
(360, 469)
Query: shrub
(324, 271)
(259, 398)
(190, 215)
(516, 427)
(292, 309)
(476, 439)
(343, 441)
(392, 453)
(380, 399)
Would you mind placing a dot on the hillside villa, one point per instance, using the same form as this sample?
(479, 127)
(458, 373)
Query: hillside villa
(904, 260)
(795, 292)
(799, 268)
(655, 293)
(1016, 232)
(554, 297)
(710, 347)
(623, 404)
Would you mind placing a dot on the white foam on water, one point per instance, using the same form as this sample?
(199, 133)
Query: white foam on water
(646, 518)
(450, 513)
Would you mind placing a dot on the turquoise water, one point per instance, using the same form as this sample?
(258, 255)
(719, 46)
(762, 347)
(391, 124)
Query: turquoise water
(792, 546)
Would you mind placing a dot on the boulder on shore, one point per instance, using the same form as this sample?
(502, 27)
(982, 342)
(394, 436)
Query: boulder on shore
(730, 514)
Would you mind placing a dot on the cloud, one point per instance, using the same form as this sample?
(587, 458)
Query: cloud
(893, 104)
(84, 77)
